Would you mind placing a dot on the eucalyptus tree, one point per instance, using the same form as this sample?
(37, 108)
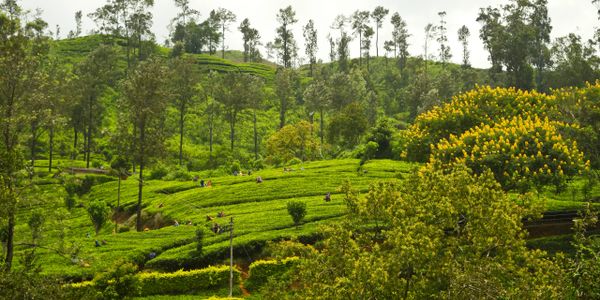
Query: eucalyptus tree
(231, 93)
(360, 23)
(284, 41)
(23, 48)
(146, 96)
(318, 98)
(253, 91)
(378, 14)
(285, 82)
(310, 38)
(184, 81)
(251, 39)
(225, 18)
(95, 74)
(463, 38)
(442, 38)
(400, 37)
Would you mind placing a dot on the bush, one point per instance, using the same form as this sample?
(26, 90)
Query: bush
(199, 240)
(98, 212)
(297, 211)
(294, 161)
(260, 271)
(117, 283)
(158, 172)
(184, 282)
(179, 174)
(235, 166)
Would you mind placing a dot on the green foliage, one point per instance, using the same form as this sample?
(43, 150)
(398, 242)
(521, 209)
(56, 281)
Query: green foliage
(118, 283)
(35, 223)
(382, 134)
(159, 171)
(182, 282)
(297, 211)
(261, 271)
(98, 212)
(348, 125)
(292, 141)
(23, 285)
(444, 230)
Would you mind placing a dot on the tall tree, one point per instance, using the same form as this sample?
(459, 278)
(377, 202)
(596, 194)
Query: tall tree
(310, 38)
(442, 39)
(400, 39)
(463, 38)
(225, 18)
(251, 39)
(95, 74)
(317, 98)
(146, 95)
(574, 62)
(366, 43)
(285, 80)
(378, 14)
(23, 49)
(230, 93)
(184, 85)
(285, 41)
(491, 33)
(253, 91)
(360, 22)
(540, 23)
(186, 14)
(77, 32)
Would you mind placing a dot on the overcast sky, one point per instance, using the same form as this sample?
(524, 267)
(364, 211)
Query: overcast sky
(578, 16)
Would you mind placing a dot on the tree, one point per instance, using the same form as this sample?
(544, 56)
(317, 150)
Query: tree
(360, 22)
(378, 15)
(231, 93)
(185, 15)
(284, 41)
(348, 125)
(540, 22)
(574, 62)
(146, 95)
(310, 38)
(445, 54)
(292, 141)
(366, 43)
(251, 39)
(444, 231)
(98, 212)
(318, 98)
(225, 17)
(285, 82)
(95, 74)
(253, 88)
(120, 167)
(212, 107)
(185, 82)
(400, 39)
(77, 32)
(24, 48)
(463, 38)
(297, 211)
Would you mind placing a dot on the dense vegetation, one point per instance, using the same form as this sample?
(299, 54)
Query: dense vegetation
(124, 164)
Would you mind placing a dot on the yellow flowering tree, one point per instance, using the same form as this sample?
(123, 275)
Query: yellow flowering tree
(483, 105)
(521, 152)
(292, 141)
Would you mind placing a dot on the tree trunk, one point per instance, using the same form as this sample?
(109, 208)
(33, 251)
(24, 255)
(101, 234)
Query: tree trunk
(133, 147)
(181, 123)
(10, 241)
(89, 134)
(282, 113)
(210, 137)
(51, 154)
(321, 128)
(377, 40)
(33, 144)
(76, 134)
(223, 43)
(232, 129)
(119, 193)
(359, 48)
(255, 137)
(141, 181)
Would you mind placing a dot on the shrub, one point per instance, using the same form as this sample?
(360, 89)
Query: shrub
(118, 283)
(297, 211)
(181, 282)
(235, 166)
(294, 161)
(179, 174)
(260, 271)
(158, 172)
(98, 212)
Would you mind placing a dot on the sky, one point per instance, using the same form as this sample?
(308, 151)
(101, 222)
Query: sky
(568, 16)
